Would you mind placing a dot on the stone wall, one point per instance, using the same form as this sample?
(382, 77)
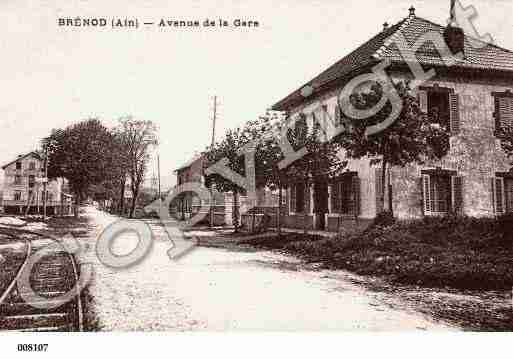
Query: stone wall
(474, 153)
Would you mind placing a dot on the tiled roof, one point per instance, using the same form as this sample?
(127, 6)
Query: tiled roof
(478, 55)
(189, 163)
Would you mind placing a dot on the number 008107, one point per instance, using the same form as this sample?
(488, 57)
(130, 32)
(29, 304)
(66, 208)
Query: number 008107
(32, 347)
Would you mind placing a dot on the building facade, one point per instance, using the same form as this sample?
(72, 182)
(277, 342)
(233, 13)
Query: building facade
(471, 98)
(188, 204)
(23, 190)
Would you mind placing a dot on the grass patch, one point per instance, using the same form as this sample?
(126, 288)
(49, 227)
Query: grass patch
(461, 253)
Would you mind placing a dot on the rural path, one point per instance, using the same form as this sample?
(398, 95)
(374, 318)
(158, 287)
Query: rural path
(217, 289)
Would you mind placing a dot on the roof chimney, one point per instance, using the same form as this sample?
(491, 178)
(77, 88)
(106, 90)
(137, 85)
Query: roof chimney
(412, 11)
(453, 35)
(385, 26)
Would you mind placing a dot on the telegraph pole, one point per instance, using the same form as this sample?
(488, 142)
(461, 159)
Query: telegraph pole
(214, 119)
(159, 189)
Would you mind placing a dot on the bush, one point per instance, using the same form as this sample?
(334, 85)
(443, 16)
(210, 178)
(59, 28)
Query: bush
(458, 252)
(505, 229)
(384, 219)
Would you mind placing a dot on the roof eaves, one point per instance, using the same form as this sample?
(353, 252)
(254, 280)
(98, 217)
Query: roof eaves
(22, 157)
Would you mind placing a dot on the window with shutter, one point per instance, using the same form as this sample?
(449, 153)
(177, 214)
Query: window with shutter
(506, 112)
(422, 97)
(292, 191)
(508, 194)
(457, 194)
(441, 192)
(436, 102)
(498, 195)
(355, 192)
(426, 194)
(438, 108)
(503, 111)
(306, 200)
(345, 194)
(454, 102)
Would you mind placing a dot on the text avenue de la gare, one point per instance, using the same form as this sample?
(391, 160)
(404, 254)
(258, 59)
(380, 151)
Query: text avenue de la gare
(162, 22)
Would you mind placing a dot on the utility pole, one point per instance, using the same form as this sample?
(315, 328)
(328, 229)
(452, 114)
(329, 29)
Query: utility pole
(159, 189)
(214, 119)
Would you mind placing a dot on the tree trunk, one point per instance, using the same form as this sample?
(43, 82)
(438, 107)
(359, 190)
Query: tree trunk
(390, 194)
(135, 194)
(236, 211)
(305, 216)
(122, 197)
(278, 220)
(78, 199)
(383, 183)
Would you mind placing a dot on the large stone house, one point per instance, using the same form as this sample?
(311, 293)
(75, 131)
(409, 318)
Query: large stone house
(23, 188)
(472, 98)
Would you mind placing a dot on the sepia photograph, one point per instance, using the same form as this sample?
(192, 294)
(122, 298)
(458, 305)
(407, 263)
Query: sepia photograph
(254, 167)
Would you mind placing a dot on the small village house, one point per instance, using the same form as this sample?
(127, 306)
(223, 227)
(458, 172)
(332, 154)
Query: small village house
(23, 188)
(472, 99)
(188, 204)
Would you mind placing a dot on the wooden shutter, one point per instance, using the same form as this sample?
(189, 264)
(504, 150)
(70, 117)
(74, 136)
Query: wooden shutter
(379, 191)
(355, 194)
(498, 195)
(292, 199)
(506, 113)
(454, 104)
(457, 194)
(508, 195)
(335, 197)
(426, 185)
(423, 100)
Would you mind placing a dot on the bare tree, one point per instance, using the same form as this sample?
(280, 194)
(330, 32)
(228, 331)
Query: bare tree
(137, 137)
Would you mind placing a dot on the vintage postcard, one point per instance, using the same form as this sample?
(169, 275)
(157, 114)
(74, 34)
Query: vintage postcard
(256, 166)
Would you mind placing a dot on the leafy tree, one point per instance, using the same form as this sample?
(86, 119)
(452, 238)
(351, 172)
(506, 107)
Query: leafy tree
(321, 161)
(119, 163)
(78, 153)
(227, 148)
(412, 137)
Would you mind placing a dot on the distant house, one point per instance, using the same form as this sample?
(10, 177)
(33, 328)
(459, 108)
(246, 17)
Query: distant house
(188, 204)
(473, 98)
(24, 189)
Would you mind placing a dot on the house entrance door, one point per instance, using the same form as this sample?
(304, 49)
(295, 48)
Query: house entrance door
(321, 203)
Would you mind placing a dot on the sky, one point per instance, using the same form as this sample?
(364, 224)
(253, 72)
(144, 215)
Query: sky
(55, 76)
